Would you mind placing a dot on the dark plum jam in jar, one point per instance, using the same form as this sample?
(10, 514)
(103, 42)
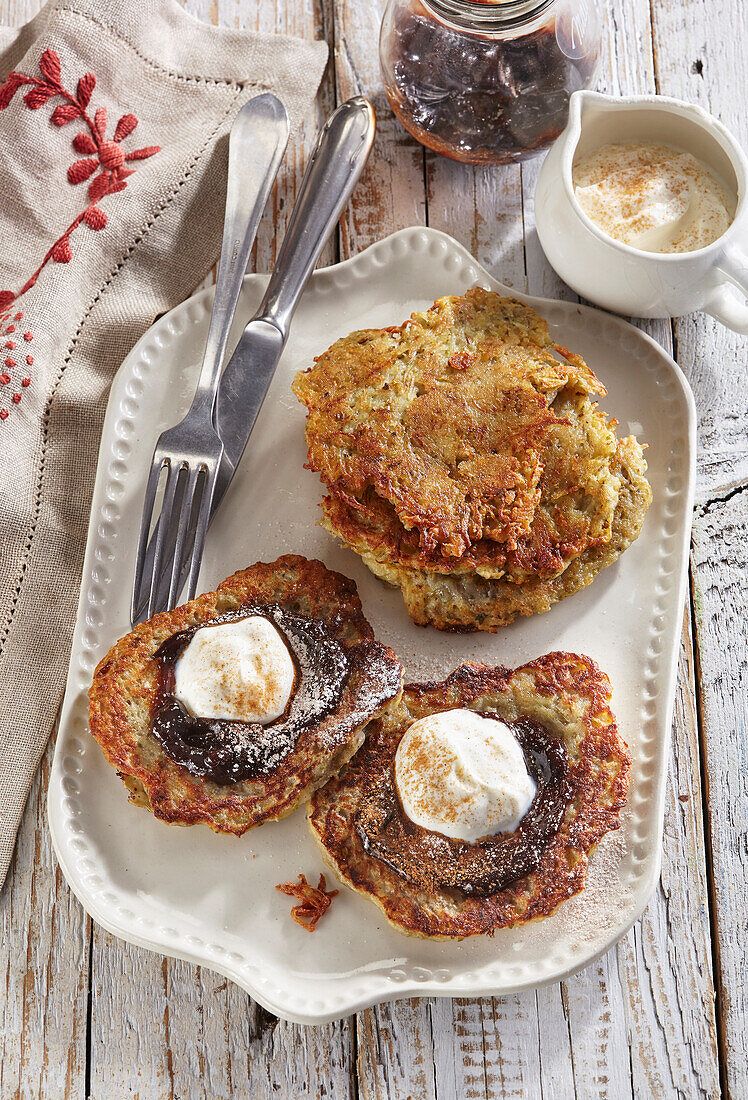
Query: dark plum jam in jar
(487, 81)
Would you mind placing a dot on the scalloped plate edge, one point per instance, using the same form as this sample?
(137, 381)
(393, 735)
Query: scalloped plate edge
(360, 266)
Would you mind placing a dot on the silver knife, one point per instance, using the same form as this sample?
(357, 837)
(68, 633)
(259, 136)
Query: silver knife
(338, 158)
(336, 163)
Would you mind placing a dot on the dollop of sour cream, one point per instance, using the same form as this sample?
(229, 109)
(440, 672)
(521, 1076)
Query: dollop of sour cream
(240, 671)
(652, 197)
(463, 775)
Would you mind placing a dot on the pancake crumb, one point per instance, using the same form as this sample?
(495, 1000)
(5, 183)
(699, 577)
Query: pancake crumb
(315, 900)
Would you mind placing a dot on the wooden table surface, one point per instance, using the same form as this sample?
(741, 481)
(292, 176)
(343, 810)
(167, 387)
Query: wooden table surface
(664, 1013)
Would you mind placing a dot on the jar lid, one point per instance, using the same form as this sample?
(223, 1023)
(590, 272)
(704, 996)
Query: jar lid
(489, 13)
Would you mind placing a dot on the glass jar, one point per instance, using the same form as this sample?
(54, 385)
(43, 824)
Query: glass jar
(487, 81)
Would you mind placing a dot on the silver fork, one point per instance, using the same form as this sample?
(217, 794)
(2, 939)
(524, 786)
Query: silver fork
(191, 452)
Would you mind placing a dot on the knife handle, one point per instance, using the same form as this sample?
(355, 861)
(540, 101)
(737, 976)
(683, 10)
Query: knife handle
(257, 142)
(335, 165)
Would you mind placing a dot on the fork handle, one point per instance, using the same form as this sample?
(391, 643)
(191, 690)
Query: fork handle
(257, 142)
(335, 165)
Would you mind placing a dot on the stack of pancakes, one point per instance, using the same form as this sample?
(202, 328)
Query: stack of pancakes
(467, 462)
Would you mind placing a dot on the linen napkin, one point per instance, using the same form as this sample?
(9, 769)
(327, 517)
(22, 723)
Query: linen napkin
(113, 148)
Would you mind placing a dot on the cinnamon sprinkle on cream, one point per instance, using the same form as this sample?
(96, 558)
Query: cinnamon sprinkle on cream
(653, 197)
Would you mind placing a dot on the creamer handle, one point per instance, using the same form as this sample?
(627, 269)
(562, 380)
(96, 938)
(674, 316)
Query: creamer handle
(727, 307)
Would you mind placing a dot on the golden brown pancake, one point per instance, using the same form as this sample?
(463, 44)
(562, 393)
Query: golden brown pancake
(432, 886)
(578, 490)
(445, 418)
(463, 447)
(469, 601)
(235, 775)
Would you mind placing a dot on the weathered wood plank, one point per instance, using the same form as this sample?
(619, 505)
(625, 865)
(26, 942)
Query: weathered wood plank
(495, 1052)
(556, 1066)
(667, 958)
(396, 1051)
(701, 57)
(390, 194)
(14, 13)
(642, 1019)
(190, 1033)
(481, 208)
(163, 1028)
(44, 936)
(720, 563)
(629, 1028)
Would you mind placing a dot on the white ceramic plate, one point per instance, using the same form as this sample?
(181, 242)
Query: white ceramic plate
(212, 899)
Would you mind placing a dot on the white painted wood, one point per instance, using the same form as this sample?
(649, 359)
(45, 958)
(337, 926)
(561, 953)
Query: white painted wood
(396, 1052)
(508, 1038)
(639, 1023)
(481, 208)
(701, 57)
(665, 963)
(166, 1028)
(390, 193)
(720, 561)
(556, 1067)
(44, 936)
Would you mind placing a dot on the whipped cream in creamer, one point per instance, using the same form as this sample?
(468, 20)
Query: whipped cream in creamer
(653, 197)
(241, 671)
(462, 775)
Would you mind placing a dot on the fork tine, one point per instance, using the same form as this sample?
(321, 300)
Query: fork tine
(177, 561)
(164, 524)
(145, 525)
(201, 529)
(171, 536)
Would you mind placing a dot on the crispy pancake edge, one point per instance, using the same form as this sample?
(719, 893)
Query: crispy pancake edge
(468, 603)
(571, 696)
(560, 529)
(124, 686)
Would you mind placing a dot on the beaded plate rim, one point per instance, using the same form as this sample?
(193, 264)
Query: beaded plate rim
(335, 998)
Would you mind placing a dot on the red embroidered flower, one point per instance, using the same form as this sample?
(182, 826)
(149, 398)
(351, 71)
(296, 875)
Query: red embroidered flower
(106, 155)
(102, 155)
(104, 159)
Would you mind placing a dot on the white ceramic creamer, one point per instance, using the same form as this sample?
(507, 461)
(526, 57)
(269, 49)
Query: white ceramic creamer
(629, 280)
